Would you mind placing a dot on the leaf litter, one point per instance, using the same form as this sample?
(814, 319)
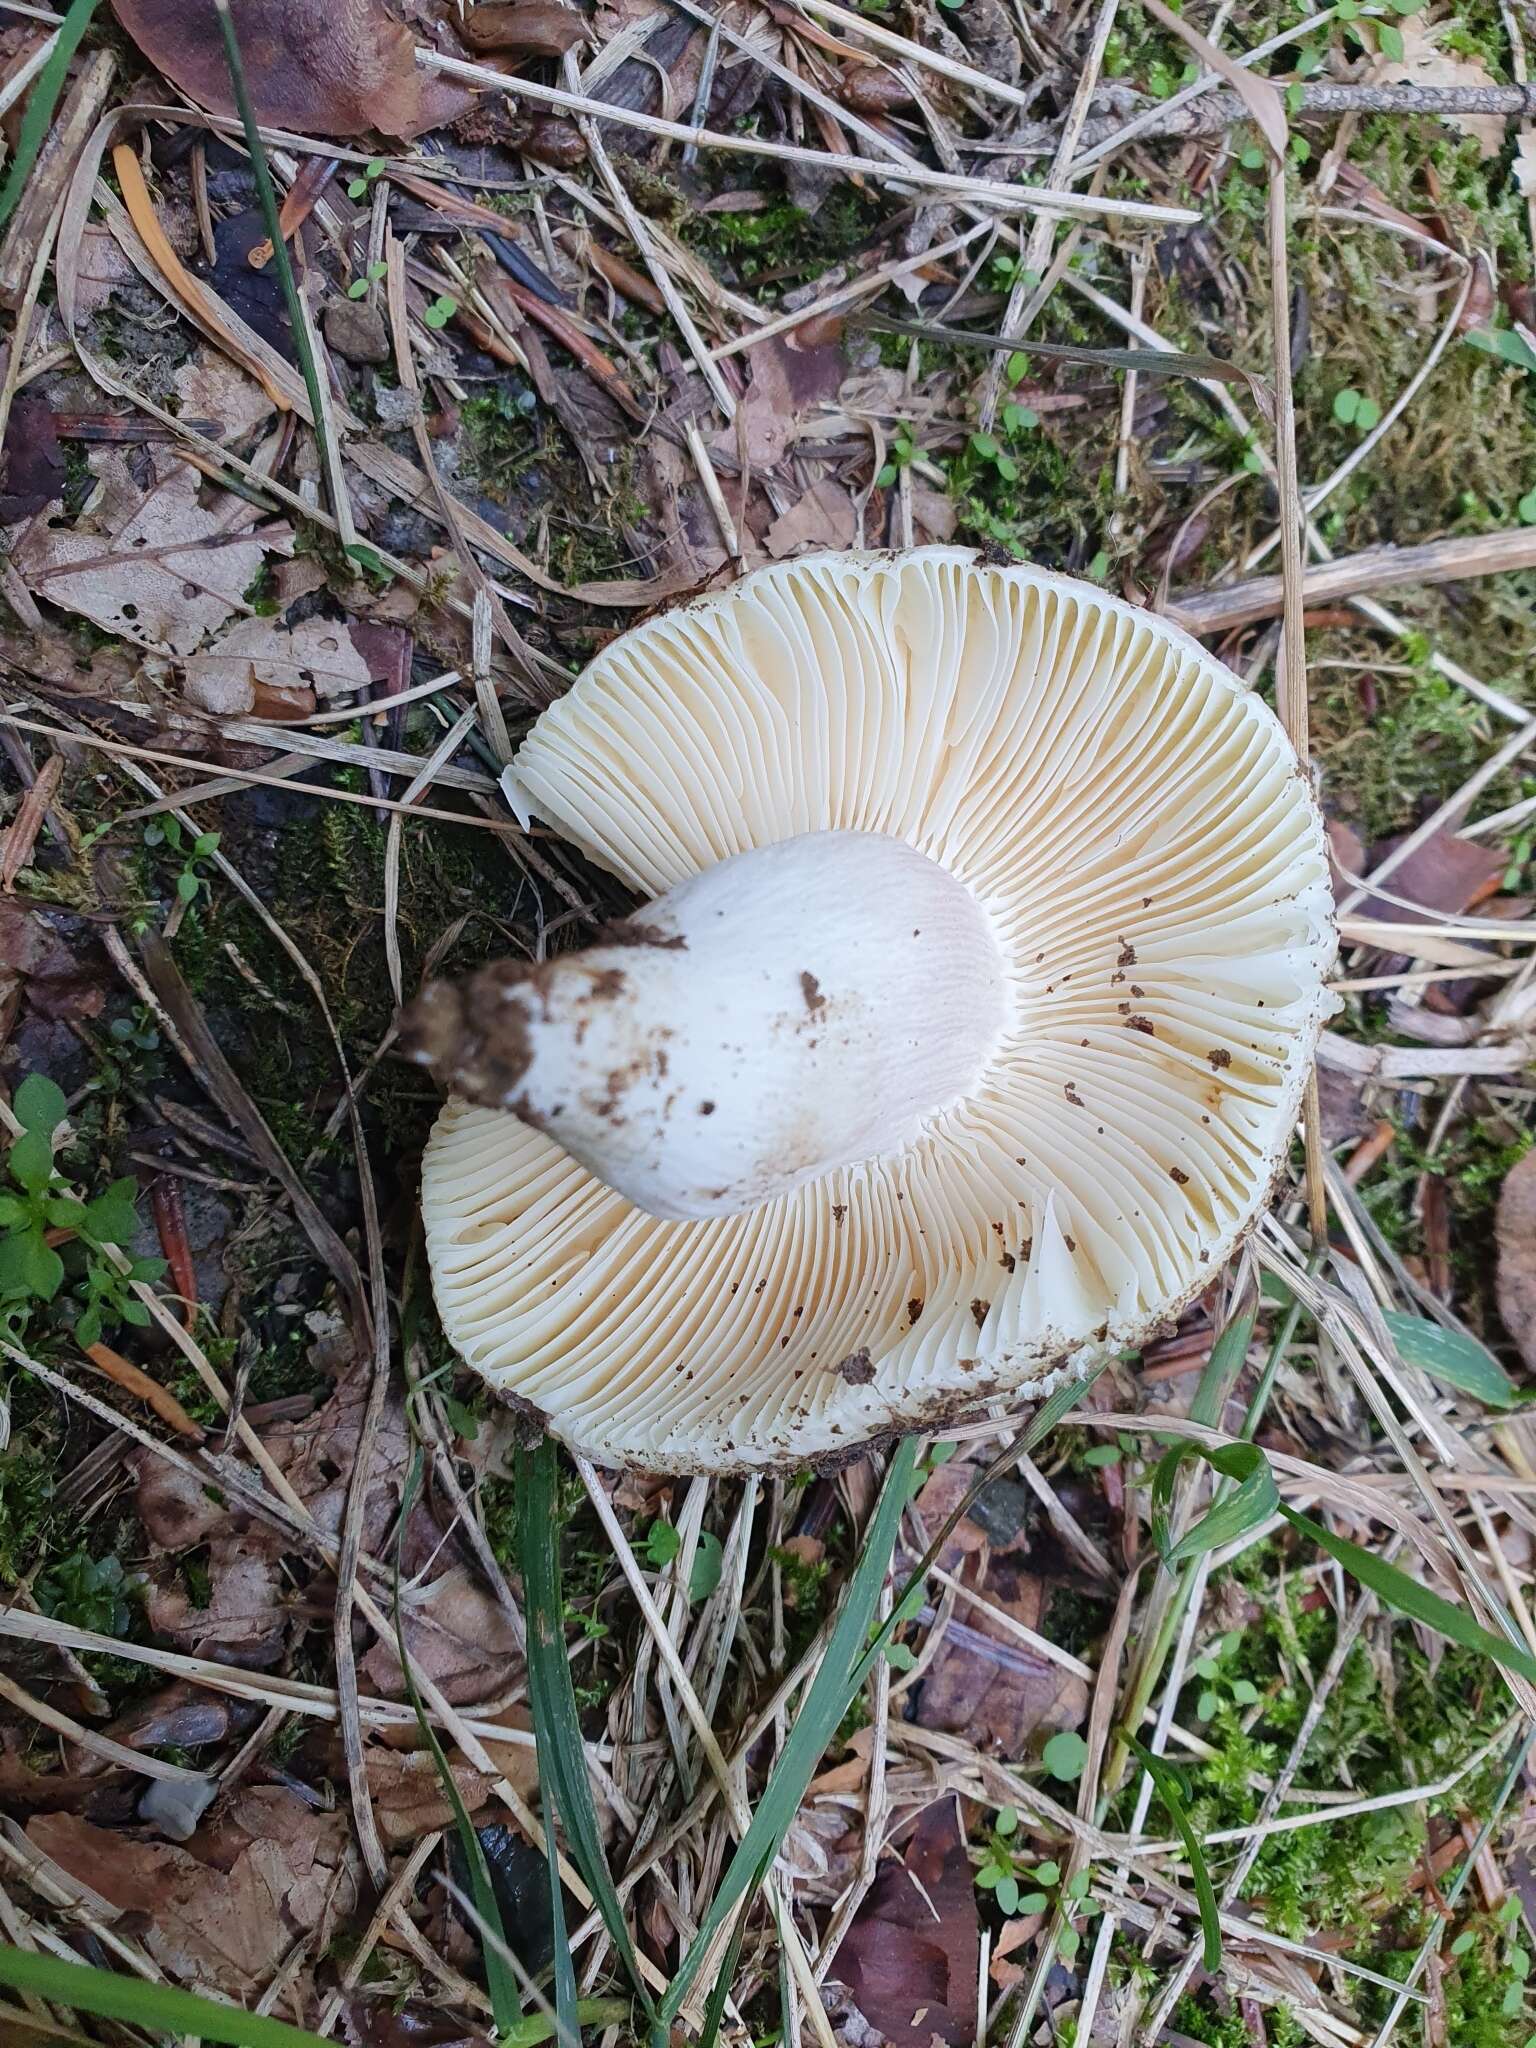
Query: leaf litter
(547, 393)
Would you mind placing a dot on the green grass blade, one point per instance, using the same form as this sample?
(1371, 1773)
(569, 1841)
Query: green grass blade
(825, 1703)
(266, 192)
(1152, 362)
(156, 2006)
(1170, 1790)
(567, 2007)
(506, 2006)
(1454, 1357)
(1256, 1497)
(540, 2026)
(1407, 1596)
(41, 101)
(556, 1726)
(1061, 1403)
(1222, 1368)
(1254, 1501)
(714, 2012)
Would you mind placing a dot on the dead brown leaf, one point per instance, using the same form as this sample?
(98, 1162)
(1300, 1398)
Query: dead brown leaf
(1445, 876)
(910, 1957)
(1515, 1229)
(1425, 62)
(35, 960)
(316, 1456)
(159, 567)
(31, 463)
(525, 28)
(324, 67)
(786, 383)
(318, 654)
(224, 1910)
(408, 1795)
(822, 518)
(378, 2022)
(988, 1684)
(458, 1636)
(245, 1622)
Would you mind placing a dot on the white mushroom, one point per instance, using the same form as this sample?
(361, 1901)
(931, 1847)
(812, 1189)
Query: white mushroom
(961, 1039)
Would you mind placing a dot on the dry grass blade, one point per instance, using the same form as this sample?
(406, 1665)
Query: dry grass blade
(1155, 362)
(975, 191)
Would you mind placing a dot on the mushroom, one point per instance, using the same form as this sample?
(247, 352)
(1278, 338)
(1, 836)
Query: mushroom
(960, 1037)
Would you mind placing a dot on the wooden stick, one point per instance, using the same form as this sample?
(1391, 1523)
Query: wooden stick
(1292, 690)
(980, 191)
(1221, 109)
(1204, 612)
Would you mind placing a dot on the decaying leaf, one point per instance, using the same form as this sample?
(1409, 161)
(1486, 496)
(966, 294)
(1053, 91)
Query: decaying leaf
(223, 1911)
(526, 28)
(245, 1620)
(988, 1683)
(1516, 1232)
(1446, 875)
(318, 655)
(458, 1636)
(822, 518)
(35, 960)
(323, 67)
(408, 1796)
(159, 567)
(786, 383)
(1425, 62)
(910, 1957)
(317, 1453)
(375, 2020)
(31, 464)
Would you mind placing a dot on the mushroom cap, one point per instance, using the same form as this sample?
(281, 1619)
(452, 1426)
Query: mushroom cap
(1135, 825)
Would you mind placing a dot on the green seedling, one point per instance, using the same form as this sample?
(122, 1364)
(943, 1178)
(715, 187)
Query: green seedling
(167, 831)
(38, 1206)
(1352, 408)
(990, 449)
(904, 452)
(359, 188)
(441, 310)
(1024, 1888)
(1219, 1688)
(87, 1592)
(1008, 271)
(663, 1545)
(1065, 1756)
(358, 288)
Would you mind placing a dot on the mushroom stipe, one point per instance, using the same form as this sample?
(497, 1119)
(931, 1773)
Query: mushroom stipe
(866, 1082)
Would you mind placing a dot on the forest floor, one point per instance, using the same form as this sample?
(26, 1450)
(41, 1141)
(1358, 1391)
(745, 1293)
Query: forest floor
(265, 1721)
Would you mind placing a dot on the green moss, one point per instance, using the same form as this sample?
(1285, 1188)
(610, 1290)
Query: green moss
(781, 241)
(1197, 2017)
(27, 1511)
(1421, 740)
(1353, 1874)
(503, 436)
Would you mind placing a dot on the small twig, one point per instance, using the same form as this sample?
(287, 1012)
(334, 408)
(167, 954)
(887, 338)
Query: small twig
(1206, 612)
(1292, 693)
(981, 191)
(1221, 109)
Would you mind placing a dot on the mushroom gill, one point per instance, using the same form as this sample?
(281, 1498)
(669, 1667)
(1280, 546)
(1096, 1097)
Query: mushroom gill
(989, 916)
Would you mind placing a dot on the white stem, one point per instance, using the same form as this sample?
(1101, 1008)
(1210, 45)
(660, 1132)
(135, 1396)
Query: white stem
(799, 1007)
